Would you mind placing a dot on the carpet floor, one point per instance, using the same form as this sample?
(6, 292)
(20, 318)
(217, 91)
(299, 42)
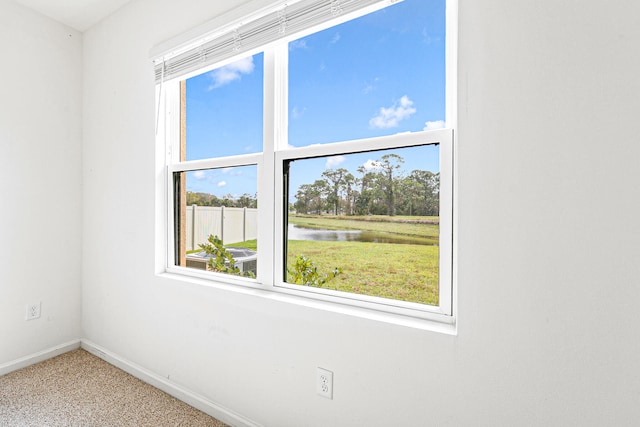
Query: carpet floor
(79, 389)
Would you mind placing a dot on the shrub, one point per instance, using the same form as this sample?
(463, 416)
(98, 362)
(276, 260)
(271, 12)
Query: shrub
(221, 259)
(304, 272)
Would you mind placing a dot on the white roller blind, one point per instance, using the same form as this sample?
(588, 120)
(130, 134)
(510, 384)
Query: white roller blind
(284, 20)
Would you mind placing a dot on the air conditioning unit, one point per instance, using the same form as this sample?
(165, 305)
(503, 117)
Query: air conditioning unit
(245, 259)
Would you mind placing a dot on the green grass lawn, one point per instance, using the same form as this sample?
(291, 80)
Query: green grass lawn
(249, 244)
(398, 271)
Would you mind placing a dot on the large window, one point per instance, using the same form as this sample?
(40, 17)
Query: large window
(309, 151)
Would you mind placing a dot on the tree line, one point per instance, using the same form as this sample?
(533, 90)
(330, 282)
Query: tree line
(382, 190)
(228, 201)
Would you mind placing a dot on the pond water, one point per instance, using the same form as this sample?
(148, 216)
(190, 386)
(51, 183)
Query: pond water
(296, 232)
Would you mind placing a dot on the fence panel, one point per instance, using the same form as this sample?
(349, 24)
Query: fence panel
(232, 225)
(251, 224)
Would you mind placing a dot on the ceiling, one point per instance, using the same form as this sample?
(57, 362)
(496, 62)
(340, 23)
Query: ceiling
(78, 14)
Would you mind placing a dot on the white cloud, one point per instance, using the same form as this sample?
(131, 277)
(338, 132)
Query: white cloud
(438, 124)
(370, 87)
(222, 183)
(298, 44)
(231, 171)
(392, 116)
(426, 37)
(334, 161)
(229, 73)
(335, 38)
(297, 112)
(199, 175)
(371, 165)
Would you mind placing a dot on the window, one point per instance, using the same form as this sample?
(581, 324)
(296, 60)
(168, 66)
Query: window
(308, 151)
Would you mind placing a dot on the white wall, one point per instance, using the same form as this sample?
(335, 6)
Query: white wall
(549, 325)
(41, 197)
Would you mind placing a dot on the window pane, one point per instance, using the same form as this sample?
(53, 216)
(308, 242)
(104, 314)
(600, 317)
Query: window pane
(216, 220)
(377, 75)
(224, 110)
(372, 217)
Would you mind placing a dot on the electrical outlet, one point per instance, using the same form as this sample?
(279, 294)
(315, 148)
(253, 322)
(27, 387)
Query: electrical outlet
(324, 383)
(33, 311)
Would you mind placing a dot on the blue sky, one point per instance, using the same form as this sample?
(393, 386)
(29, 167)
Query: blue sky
(380, 74)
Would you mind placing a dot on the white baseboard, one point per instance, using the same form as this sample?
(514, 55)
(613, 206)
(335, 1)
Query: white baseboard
(41, 356)
(197, 401)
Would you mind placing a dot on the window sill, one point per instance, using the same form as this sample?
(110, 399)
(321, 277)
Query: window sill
(435, 323)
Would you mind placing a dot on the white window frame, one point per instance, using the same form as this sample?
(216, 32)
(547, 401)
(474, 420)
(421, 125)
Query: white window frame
(270, 172)
(444, 138)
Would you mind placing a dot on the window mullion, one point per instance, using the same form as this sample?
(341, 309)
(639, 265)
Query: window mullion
(275, 130)
(281, 98)
(280, 121)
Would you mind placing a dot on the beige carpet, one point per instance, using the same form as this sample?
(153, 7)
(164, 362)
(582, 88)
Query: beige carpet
(79, 389)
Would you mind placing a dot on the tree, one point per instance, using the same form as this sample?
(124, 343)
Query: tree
(246, 201)
(318, 192)
(365, 198)
(408, 197)
(428, 187)
(389, 163)
(349, 183)
(202, 199)
(303, 199)
(335, 180)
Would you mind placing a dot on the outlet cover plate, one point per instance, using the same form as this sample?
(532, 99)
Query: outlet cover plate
(33, 311)
(324, 383)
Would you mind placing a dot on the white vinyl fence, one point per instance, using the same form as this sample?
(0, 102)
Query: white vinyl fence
(231, 225)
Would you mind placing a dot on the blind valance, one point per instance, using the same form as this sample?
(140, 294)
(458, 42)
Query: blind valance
(282, 20)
